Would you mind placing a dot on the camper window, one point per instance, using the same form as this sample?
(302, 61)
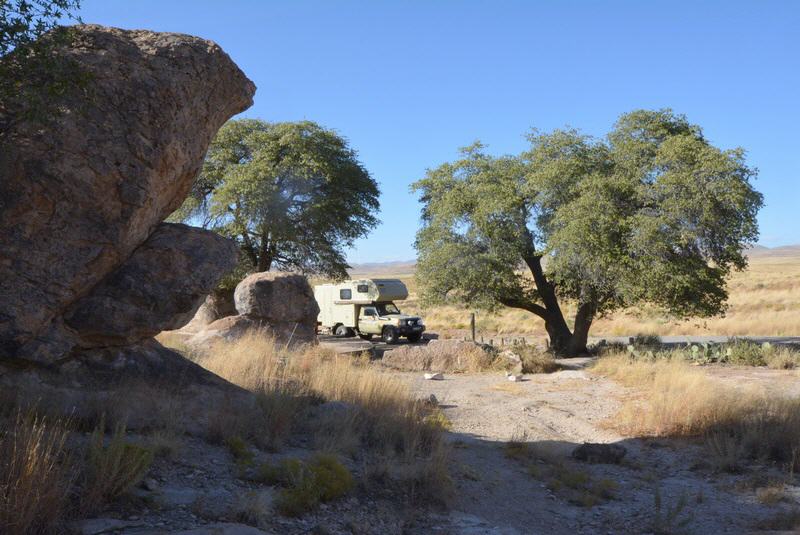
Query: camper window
(346, 294)
(363, 288)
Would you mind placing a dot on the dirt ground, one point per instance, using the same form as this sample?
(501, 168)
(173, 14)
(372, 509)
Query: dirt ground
(555, 413)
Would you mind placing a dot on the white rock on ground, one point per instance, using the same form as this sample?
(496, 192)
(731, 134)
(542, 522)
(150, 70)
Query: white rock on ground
(434, 377)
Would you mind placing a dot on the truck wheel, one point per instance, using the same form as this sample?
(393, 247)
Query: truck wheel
(365, 336)
(389, 335)
(414, 337)
(340, 331)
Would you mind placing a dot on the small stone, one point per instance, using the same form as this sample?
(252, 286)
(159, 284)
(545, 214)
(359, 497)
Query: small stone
(432, 400)
(434, 377)
(150, 484)
(515, 378)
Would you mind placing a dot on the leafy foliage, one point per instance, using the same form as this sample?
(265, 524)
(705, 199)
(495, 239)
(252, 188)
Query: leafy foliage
(31, 76)
(652, 214)
(293, 195)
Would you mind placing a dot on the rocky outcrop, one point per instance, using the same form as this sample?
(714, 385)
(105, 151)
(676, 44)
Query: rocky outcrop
(277, 305)
(85, 260)
(159, 288)
(218, 304)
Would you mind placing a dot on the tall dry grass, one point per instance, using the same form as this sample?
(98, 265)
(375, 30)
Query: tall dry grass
(676, 399)
(35, 476)
(377, 413)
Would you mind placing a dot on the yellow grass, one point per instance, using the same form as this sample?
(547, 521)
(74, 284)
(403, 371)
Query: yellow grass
(677, 399)
(764, 300)
(35, 479)
(383, 416)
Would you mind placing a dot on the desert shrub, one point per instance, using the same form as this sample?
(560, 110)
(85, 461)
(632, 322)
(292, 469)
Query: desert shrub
(323, 479)
(35, 476)
(669, 519)
(111, 470)
(783, 358)
(252, 508)
(646, 340)
(438, 421)
(239, 449)
(745, 353)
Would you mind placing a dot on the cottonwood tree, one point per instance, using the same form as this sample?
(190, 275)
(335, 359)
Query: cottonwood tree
(293, 195)
(653, 213)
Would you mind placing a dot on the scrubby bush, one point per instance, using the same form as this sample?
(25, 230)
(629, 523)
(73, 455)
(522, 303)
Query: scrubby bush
(745, 352)
(322, 479)
(111, 470)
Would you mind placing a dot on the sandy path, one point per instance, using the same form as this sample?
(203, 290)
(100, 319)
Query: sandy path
(554, 413)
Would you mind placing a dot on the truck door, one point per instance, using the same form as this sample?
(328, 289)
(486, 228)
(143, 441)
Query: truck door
(368, 321)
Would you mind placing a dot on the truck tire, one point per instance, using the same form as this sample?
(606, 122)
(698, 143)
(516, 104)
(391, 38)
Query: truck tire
(414, 337)
(365, 336)
(389, 335)
(340, 331)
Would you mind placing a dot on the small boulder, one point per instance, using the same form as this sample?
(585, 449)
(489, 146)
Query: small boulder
(434, 377)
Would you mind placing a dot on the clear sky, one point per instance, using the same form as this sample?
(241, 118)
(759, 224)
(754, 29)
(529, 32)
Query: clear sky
(408, 82)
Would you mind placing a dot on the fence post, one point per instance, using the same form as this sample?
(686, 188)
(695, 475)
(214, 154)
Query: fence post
(472, 325)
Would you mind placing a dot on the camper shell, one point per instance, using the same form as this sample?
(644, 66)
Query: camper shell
(366, 307)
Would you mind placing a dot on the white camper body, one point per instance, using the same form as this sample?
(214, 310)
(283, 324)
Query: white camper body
(366, 307)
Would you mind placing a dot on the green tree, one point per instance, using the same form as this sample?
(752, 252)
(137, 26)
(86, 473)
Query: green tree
(652, 214)
(31, 75)
(293, 195)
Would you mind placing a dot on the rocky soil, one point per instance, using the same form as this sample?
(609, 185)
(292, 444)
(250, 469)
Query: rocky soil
(201, 489)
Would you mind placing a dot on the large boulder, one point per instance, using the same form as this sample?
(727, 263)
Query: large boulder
(159, 288)
(277, 305)
(79, 197)
(217, 305)
(281, 302)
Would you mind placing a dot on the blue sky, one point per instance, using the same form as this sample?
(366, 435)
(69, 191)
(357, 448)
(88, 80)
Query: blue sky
(409, 82)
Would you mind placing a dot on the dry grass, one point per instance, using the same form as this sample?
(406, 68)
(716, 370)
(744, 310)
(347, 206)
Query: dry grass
(35, 477)
(679, 400)
(764, 301)
(375, 411)
(111, 469)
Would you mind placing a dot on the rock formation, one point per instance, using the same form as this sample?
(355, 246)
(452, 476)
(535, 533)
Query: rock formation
(88, 270)
(278, 305)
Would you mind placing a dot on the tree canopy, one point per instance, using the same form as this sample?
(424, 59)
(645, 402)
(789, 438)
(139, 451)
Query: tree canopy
(30, 74)
(293, 195)
(653, 213)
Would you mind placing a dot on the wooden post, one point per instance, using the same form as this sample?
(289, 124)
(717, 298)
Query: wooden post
(472, 325)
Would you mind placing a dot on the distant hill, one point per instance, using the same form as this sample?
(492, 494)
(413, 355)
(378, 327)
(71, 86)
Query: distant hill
(377, 269)
(759, 251)
(407, 267)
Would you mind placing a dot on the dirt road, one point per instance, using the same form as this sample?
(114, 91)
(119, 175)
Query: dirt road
(553, 414)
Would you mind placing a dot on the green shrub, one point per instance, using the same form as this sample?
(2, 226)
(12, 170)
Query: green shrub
(332, 478)
(746, 352)
(323, 479)
(239, 449)
(438, 421)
